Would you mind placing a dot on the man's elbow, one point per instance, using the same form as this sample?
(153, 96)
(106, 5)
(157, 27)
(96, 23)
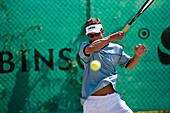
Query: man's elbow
(89, 50)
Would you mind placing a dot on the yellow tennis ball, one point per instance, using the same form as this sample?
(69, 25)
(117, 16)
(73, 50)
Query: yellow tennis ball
(95, 65)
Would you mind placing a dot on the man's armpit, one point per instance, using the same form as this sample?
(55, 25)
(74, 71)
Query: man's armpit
(127, 64)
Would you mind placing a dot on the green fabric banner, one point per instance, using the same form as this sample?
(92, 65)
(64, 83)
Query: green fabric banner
(40, 70)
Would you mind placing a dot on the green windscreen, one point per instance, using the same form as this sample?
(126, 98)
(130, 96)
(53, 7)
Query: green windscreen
(41, 72)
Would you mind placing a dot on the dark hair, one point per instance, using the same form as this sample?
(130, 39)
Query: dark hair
(92, 21)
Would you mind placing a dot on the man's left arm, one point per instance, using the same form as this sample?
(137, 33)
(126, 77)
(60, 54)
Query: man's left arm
(139, 51)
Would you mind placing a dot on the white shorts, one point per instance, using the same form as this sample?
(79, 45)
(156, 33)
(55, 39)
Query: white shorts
(110, 103)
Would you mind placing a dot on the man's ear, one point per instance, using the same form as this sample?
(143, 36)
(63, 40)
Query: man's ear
(103, 31)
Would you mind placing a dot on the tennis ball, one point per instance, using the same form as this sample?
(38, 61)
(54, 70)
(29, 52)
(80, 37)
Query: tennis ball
(95, 65)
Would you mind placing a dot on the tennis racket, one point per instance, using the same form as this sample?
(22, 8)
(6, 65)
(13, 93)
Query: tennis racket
(142, 9)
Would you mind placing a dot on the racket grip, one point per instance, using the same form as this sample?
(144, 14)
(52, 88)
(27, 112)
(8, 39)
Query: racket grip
(126, 28)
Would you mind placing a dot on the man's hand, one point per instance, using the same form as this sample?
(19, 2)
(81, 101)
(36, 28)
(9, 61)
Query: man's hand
(118, 35)
(140, 50)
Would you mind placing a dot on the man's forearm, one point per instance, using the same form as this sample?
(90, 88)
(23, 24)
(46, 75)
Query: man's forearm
(133, 61)
(100, 43)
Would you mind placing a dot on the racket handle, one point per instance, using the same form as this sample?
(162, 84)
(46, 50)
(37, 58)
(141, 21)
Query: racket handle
(126, 28)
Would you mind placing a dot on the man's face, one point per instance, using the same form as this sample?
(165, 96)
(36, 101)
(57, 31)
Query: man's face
(95, 36)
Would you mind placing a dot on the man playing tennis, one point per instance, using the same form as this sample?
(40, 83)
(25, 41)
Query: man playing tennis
(99, 87)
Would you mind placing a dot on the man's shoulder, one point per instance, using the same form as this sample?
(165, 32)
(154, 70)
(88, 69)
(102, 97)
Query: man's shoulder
(85, 43)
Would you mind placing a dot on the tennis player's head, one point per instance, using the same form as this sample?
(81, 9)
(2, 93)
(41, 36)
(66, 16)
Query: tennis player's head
(94, 29)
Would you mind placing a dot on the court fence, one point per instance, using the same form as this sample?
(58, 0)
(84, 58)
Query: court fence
(40, 70)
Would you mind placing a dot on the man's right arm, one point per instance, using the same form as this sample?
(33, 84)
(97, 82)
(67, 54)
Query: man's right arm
(100, 43)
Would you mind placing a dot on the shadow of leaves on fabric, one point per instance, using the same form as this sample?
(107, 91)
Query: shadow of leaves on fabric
(20, 92)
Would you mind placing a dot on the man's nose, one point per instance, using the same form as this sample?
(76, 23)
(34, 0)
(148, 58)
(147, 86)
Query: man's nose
(95, 37)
